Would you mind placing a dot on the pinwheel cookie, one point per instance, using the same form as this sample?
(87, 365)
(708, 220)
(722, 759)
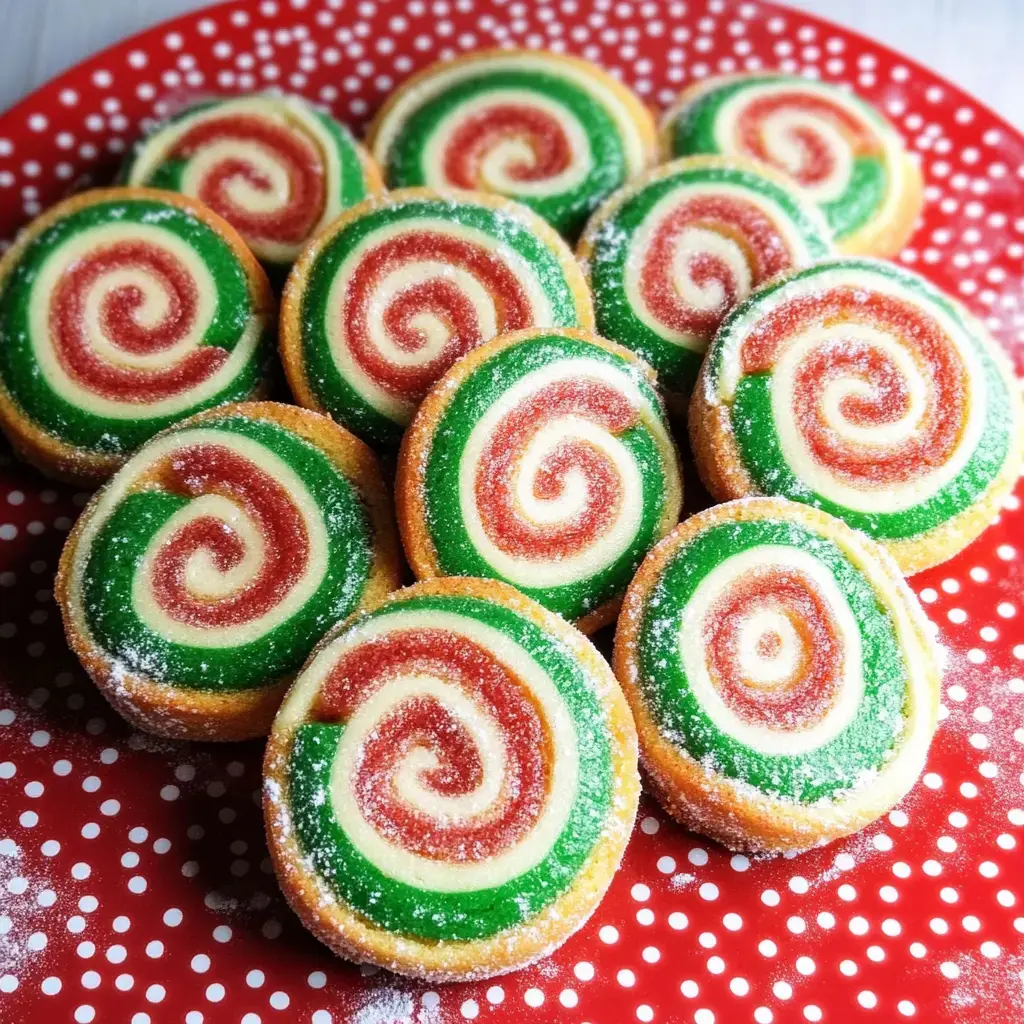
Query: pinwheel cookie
(784, 687)
(450, 783)
(121, 311)
(838, 148)
(554, 132)
(858, 387)
(542, 459)
(197, 581)
(399, 287)
(671, 253)
(273, 166)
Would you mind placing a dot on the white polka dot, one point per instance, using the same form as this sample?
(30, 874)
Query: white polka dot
(533, 997)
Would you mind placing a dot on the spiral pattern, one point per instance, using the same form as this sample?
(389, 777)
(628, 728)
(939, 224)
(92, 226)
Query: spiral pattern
(406, 285)
(220, 553)
(856, 387)
(555, 133)
(775, 649)
(275, 168)
(122, 311)
(546, 463)
(841, 151)
(452, 766)
(673, 252)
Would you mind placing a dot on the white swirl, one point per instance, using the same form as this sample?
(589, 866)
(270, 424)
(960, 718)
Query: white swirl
(203, 579)
(767, 669)
(511, 152)
(574, 496)
(444, 79)
(890, 495)
(436, 334)
(89, 244)
(401, 863)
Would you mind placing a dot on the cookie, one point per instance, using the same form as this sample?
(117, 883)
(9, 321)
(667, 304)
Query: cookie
(554, 132)
(122, 311)
(274, 167)
(450, 783)
(196, 583)
(543, 459)
(399, 287)
(671, 253)
(783, 683)
(858, 387)
(846, 156)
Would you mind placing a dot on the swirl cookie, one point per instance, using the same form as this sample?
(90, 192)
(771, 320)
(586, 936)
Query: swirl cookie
(839, 149)
(858, 387)
(274, 167)
(450, 783)
(554, 132)
(195, 584)
(671, 253)
(121, 311)
(398, 288)
(783, 684)
(543, 459)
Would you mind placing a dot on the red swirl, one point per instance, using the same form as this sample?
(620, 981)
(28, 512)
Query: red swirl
(811, 690)
(439, 297)
(78, 358)
(424, 722)
(818, 160)
(477, 135)
(503, 519)
(214, 469)
(948, 394)
(743, 223)
(285, 146)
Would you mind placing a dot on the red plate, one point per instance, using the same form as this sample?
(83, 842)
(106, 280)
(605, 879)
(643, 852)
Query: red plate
(136, 881)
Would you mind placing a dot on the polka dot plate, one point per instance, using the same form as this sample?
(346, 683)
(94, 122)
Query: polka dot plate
(134, 879)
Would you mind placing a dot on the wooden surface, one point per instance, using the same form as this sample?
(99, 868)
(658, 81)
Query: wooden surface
(975, 44)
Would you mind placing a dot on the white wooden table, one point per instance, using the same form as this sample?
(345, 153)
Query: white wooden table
(974, 44)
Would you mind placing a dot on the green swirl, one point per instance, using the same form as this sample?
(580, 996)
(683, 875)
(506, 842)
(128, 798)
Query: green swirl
(761, 449)
(822, 773)
(695, 130)
(334, 391)
(124, 539)
(566, 211)
(676, 364)
(481, 913)
(168, 173)
(457, 555)
(22, 376)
